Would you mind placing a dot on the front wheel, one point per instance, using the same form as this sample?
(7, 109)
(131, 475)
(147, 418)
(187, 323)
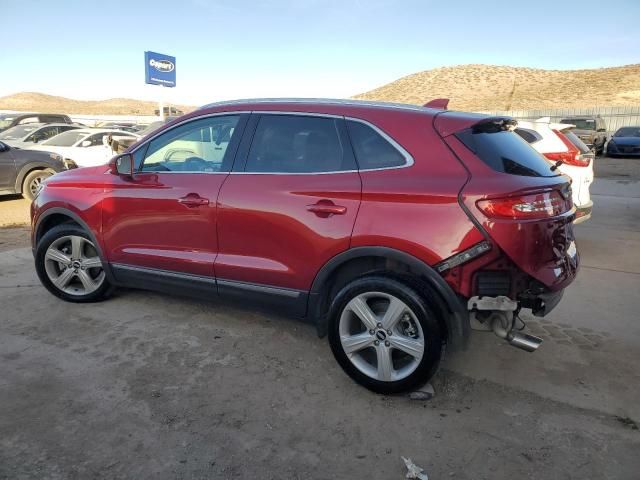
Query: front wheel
(33, 182)
(384, 334)
(68, 265)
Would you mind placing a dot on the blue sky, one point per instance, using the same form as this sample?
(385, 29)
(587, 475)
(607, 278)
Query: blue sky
(312, 48)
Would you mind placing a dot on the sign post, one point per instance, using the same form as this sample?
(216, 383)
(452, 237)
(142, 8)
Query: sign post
(160, 69)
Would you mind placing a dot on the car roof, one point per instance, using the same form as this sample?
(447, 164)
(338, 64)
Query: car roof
(346, 102)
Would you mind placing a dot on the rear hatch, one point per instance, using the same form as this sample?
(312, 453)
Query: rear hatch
(512, 193)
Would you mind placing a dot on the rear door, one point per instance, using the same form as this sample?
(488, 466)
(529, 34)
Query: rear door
(288, 208)
(164, 218)
(7, 168)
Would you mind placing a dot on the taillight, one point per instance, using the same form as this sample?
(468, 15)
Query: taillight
(530, 206)
(570, 157)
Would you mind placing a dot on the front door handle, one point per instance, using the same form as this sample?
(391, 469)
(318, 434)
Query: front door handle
(193, 200)
(326, 208)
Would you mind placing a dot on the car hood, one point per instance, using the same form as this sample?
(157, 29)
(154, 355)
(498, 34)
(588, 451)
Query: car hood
(18, 144)
(629, 141)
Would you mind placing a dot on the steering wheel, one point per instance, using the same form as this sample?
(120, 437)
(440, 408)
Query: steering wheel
(195, 163)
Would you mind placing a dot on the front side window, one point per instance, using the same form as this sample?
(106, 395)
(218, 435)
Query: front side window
(372, 149)
(42, 134)
(298, 144)
(198, 146)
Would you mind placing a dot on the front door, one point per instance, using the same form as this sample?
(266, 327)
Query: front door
(288, 207)
(164, 217)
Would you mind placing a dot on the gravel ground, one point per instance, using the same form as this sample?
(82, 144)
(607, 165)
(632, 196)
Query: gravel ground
(151, 386)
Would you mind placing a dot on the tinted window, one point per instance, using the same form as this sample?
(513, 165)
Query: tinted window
(530, 136)
(53, 118)
(297, 144)
(28, 120)
(42, 134)
(579, 144)
(198, 146)
(505, 152)
(372, 149)
(581, 123)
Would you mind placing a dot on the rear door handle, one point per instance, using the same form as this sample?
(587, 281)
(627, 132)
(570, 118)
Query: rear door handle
(326, 208)
(193, 200)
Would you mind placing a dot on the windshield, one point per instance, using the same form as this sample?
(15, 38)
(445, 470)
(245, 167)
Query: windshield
(66, 139)
(581, 123)
(628, 132)
(18, 132)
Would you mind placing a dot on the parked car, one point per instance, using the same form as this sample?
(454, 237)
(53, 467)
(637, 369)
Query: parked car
(391, 227)
(591, 130)
(8, 120)
(25, 136)
(625, 142)
(85, 146)
(23, 171)
(122, 126)
(557, 143)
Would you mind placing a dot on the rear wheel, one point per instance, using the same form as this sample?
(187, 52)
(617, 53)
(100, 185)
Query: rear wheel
(33, 182)
(68, 265)
(385, 335)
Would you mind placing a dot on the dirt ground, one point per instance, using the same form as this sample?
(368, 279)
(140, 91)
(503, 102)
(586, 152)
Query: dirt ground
(151, 386)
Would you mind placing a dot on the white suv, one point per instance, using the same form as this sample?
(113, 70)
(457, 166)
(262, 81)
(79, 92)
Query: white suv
(557, 143)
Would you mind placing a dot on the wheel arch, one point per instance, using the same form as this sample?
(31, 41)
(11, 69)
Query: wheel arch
(55, 216)
(27, 169)
(359, 261)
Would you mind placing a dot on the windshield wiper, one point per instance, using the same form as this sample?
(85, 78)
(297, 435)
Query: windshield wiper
(555, 166)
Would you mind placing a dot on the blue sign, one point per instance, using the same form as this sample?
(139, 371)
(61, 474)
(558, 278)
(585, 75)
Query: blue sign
(159, 69)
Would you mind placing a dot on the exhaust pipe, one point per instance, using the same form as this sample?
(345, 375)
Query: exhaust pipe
(502, 326)
(524, 341)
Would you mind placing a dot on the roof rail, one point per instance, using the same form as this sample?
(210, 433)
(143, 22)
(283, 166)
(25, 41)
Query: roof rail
(323, 101)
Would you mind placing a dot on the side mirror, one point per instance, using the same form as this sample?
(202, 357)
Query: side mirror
(3, 147)
(122, 165)
(86, 143)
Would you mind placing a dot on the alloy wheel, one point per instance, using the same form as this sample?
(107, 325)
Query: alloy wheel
(36, 184)
(381, 336)
(73, 265)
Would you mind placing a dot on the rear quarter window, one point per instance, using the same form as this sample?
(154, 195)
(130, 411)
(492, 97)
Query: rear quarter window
(372, 150)
(530, 136)
(506, 152)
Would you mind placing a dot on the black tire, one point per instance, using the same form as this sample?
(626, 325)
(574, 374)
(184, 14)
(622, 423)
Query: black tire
(101, 293)
(409, 292)
(32, 181)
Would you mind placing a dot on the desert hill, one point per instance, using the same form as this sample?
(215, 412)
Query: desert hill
(489, 87)
(39, 102)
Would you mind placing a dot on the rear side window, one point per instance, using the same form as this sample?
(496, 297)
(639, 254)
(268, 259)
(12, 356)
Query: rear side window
(579, 144)
(530, 136)
(506, 152)
(298, 144)
(372, 149)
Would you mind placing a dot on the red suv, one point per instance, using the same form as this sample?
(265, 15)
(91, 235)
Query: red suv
(394, 229)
